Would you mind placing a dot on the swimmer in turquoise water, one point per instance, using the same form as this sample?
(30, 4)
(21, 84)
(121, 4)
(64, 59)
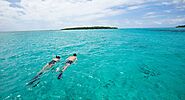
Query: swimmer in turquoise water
(50, 64)
(68, 62)
(45, 68)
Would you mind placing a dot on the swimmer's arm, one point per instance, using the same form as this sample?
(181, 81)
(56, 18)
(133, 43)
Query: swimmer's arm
(45, 66)
(67, 59)
(75, 61)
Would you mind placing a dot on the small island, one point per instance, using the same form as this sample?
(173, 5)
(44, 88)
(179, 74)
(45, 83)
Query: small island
(93, 27)
(180, 26)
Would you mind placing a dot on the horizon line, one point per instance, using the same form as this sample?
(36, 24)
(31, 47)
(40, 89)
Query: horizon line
(92, 29)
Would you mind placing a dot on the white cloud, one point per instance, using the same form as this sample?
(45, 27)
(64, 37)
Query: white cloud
(166, 3)
(167, 11)
(178, 4)
(48, 14)
(135, 7)
(62, 11)
(157, 22)
(53, 10)
(175, 20)
(150, 15)
(178, 1)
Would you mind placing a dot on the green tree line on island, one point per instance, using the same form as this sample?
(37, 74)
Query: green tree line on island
(94, 27)
(180, 26)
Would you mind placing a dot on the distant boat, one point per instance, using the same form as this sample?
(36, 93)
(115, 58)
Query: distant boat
(93, 27)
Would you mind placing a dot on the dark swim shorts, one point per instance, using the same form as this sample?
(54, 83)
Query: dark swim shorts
(69, 62)
(52, 62)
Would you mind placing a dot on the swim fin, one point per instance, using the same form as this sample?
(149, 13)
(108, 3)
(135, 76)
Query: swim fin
(32, 81)
(60, 75)
(35, 78)
(36, 84)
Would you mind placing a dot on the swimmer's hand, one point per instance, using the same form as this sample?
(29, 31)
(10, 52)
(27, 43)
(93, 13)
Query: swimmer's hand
(75, 61)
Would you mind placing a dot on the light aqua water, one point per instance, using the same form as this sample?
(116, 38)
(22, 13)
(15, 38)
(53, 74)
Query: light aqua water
(123, 64)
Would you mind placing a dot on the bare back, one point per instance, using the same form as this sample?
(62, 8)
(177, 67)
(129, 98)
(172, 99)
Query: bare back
(72, 58)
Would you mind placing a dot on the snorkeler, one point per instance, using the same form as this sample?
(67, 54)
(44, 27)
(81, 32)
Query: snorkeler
(50, 64)
(68, 62)
(46, 67)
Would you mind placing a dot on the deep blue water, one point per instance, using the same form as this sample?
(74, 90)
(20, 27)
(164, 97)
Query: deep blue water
(123, 64)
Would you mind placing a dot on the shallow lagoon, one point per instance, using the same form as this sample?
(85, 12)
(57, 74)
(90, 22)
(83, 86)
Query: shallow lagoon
(123, 64)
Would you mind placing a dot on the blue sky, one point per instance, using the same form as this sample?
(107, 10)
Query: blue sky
(18, 15)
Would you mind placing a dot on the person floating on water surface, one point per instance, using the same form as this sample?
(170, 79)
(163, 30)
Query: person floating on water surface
(50, 64)
(46, 67)
(68, 62)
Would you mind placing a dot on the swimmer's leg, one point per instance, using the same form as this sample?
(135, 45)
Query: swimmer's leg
(38, 75)
(61, 71)
(65, 67)
(46, 67)
(35, 78)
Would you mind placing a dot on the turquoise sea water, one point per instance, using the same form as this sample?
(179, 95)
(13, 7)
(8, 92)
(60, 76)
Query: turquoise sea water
(123, 64)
